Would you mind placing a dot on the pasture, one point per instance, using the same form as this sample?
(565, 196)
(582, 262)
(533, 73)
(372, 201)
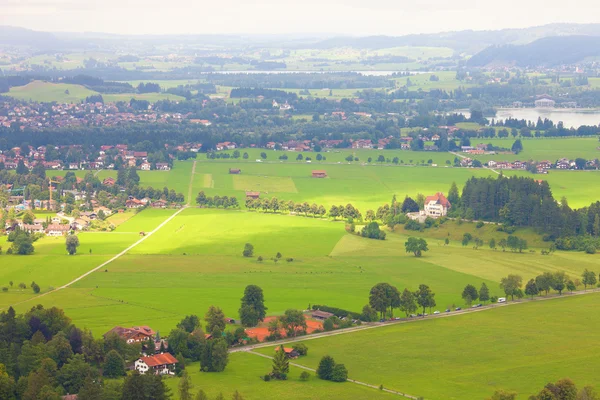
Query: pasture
(195, 260)
(242, 374)
(470, 356)
(69, 93)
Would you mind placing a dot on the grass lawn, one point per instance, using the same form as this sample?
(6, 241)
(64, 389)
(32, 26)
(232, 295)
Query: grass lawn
(518, 348)
(242, 374)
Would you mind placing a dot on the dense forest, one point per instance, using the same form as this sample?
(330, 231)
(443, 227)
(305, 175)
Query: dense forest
(525, 202)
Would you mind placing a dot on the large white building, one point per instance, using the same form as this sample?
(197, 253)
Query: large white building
(437, 206)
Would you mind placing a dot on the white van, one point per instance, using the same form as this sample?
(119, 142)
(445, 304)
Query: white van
(502, 300)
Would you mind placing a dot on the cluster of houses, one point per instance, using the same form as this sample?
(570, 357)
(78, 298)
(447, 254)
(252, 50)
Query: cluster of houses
(542, 167)
(35, 156)
(154, 360)
(35, 115)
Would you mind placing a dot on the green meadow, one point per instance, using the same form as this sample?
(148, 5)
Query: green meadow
(518, 348)
(69, 93)
(242, 374)
(195, 260)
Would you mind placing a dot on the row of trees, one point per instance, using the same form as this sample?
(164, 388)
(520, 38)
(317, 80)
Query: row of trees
(216, 201)
(384, 298)
(275, 205)
(543, 283)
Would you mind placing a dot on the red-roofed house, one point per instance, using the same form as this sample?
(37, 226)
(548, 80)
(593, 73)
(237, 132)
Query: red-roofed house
(134, 334)
(317, 173)
(159, 364)
(437, 205)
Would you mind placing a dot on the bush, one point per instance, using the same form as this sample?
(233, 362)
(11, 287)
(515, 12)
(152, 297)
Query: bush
(340, 373)
(590, 249)
(248, 250)
(413, 225)
(259, 259)
(289, 259)
(301, 349)
(479, 225)
(4, 289)
(304, 376)
(266, 378)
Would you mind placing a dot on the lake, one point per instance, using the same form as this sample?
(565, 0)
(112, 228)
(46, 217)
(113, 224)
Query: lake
(570, 117)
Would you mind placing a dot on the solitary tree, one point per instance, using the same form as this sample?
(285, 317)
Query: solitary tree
(484, 293)
(470, 294)
(72, 244)
(340, 373)
(185, 385)
(281, 364)
(215, 319)
(248, 250)
(253, 309)
(325, 368)
(416, 246)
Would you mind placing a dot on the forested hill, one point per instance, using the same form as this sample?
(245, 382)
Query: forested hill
(548, 51)
(467, 41)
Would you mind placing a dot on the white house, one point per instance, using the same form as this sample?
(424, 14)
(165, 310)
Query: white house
(159, 364)
(437, 205)
(57, 230)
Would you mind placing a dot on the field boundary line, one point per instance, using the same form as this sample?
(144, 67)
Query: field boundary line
(191, 184)
(115, 257)
(349, 380)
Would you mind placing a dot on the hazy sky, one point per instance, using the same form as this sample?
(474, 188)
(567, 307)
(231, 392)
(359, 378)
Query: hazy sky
(358, 17)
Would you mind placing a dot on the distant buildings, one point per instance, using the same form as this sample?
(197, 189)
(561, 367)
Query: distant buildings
(544, 101)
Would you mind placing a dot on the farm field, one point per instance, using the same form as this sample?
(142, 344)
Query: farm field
(470, 356)
(195, 261)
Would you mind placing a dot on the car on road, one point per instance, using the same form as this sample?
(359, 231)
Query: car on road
(436, 312)
(397, 319)
(448, 310)
(457, 309)
(411, 316)
(502, 300)
(382, 320)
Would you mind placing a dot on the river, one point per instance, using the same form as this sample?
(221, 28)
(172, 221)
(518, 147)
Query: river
(570, 117)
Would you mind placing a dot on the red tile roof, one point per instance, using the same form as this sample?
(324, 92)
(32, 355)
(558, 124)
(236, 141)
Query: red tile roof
(439, 198)
(159, 359)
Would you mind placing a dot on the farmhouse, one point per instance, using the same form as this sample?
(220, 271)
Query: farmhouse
(132, 335)
(159, 204)
(319, 174)
(35, 228)
(109, 181)
(57, 230)
(289, 352)
(436, 205)
(159, 364)
(133, 203)
(235, 171)
(252, 195)
(162, 166)
(323, 315)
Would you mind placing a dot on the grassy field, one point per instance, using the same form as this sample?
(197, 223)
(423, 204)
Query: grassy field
(195, 261)
(470, 356)
(69, 93)
(242, 374)
(47, 92)
(544, 149)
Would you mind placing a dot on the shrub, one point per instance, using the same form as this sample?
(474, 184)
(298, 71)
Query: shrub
(340, 373)
(266, 378)
(289, 259)
(590, 249)
(301, 349)
(479, 225)
(413, 225)
(304, 376)
(4, 289)
(248, 250)
(259, 259)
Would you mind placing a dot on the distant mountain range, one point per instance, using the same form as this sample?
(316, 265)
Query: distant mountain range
(468, 41)
(549, 51)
